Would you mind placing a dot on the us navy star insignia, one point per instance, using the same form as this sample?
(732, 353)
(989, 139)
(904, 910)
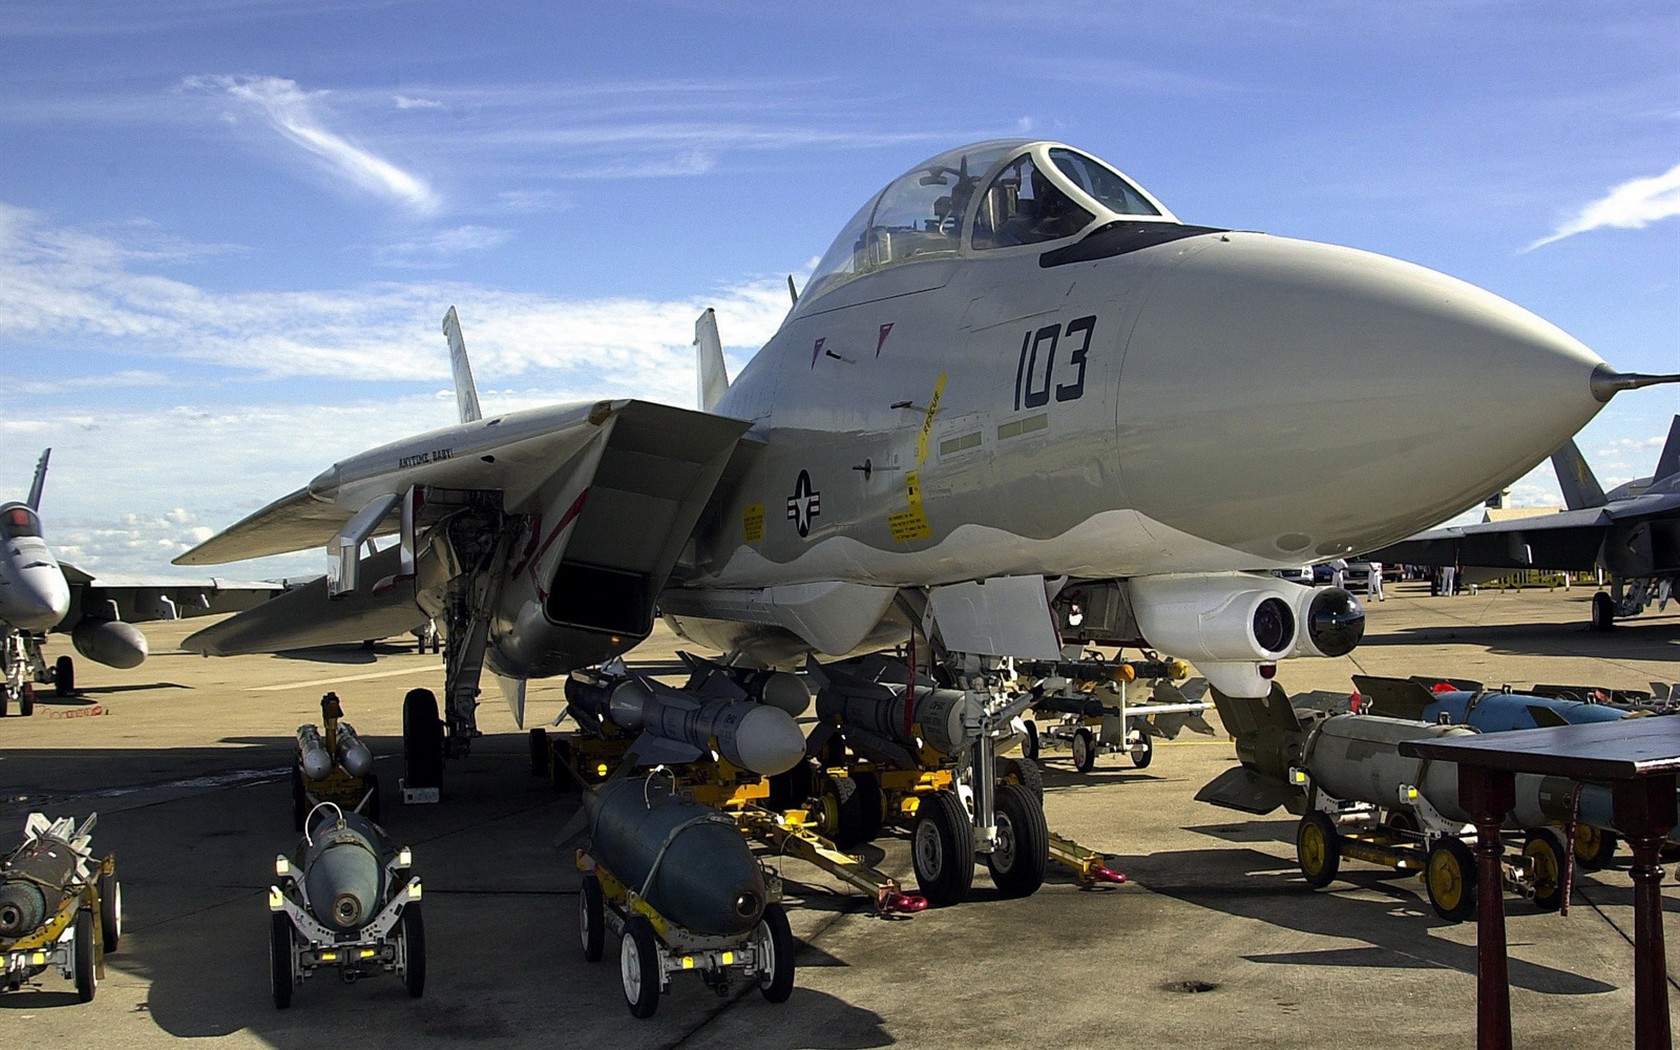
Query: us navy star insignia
(804, 504)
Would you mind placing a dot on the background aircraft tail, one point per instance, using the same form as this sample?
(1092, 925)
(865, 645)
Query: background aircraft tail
(41, 479)
(466, 392)
(1668, 464)
(1580, 488)
(714, 375)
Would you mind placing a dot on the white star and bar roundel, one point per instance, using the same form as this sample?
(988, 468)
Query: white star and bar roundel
(804, 504)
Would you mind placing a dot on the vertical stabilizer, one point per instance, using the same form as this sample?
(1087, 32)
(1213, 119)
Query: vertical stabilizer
(466, 393)
(1668, 464)
(714, 375)
(1580, 488)
(41, 479)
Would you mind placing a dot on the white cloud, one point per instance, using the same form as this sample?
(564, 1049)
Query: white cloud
(291, 111)
(405, 102)
(1633, 205)
(442, 247)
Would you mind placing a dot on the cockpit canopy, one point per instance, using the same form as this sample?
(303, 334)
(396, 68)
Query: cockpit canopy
(16, 519)
(982, 198)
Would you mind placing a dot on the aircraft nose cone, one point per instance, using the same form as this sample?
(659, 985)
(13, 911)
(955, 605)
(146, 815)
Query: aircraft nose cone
(1326, 400)
(37, 599)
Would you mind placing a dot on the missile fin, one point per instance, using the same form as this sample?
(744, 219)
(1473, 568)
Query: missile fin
(1243, 789)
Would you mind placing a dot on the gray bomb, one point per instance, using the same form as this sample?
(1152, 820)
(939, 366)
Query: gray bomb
(343, 865)
(703, 877)
(751, 735)
(350, 752)
(946, 716)
(37, 876)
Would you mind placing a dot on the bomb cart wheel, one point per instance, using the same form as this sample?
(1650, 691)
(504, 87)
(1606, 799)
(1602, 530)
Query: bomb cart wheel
(792, 789)
(26, 700)
(1603, 612)
(64, 676)
(413, 927)
(1594, 846)
(1023, 771)
(541, 752)
(1318, 849)
(841, 810)
(592, 919)
(942, 849)
(110, 911)
(1144, 753)
(300, 799)
(1449, 876)
(1544, 853)
(1084, 751)
(773, 943)
(422, 739)
(1022, 854)
(87, 978)
(1029, 746)
(370, 790)
(282, 965)
(638, 966)
(871, 806)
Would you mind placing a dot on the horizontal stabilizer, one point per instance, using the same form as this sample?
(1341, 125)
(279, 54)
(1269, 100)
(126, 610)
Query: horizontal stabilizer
(1243, 789)
(306, 616)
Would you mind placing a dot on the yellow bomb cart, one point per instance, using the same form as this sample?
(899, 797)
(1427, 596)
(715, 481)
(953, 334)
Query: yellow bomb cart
(59, 908)
(675, 880)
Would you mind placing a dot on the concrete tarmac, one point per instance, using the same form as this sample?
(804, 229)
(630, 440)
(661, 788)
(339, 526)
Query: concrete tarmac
(1215, 942)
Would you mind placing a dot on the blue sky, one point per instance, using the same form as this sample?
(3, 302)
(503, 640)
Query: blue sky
(229, 229)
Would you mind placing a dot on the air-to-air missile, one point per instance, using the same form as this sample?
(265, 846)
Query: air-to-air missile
(348, 900)
(868, 709)
(677, 881)
(333, 765)
(1359, 797)
(679, 726)
(59, 907)
(1460, 702)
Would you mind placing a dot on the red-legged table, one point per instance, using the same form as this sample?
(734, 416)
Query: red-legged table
(1639, 758)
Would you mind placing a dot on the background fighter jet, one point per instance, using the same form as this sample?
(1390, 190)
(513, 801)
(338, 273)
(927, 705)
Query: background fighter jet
(38, 594)
(1632, 532)
(1018, 402)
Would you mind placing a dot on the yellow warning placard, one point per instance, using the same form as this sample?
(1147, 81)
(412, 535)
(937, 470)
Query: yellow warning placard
(927, 421)
(752, 523)
(911, 524)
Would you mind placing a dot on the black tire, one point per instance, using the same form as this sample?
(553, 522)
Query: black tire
(562, 774)
(1023, 771)
(1029, 746)
(1084, 750)
(1594, 846)
(842, 818)
(638, 967)
(64, 676)
(5, 699)
(1401, 820)
(300, 799)
(413, 928)
(775, 937)
(422, 739)
(1544, 853)
(1318, 849)
(541, 752)
(282, 973)
(110, 911)
(1023, 850)
(871, 806)
(1145, 752)
(370, 788)
(1603, 612)
(1449, 876)
(26, 700)
(592, 919)
(87, 976)
(942, 849)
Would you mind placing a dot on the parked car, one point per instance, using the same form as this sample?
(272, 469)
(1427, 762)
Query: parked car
(1302, 575)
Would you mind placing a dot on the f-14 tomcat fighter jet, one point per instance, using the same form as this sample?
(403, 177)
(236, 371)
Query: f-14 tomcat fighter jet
(1018, 402)
(39, 593)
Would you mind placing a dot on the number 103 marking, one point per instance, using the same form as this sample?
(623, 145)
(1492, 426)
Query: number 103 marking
(1033, 381)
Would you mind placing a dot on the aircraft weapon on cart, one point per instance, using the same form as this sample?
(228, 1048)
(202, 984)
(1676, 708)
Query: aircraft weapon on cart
(332, 764)
(1083, 705)
(60, 908)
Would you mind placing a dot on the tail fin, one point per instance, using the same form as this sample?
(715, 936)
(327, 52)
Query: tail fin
(714, 375)
(1668, 464)
(466, 393)
(40, 481)
(1580, 488)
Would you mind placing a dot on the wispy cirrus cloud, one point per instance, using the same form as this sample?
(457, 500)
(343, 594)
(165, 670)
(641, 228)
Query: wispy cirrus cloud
(1632, 205)
(291, 111)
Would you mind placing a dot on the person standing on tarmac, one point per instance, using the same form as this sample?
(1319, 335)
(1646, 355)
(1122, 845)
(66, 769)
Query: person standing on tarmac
(1374, 582)
(1338, 568)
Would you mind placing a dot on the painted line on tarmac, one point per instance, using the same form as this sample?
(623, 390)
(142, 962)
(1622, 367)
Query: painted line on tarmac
(316, 682)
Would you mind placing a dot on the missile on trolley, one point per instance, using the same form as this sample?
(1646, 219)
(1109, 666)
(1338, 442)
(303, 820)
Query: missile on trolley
(53, 860)
(781, 689)
(1467, 703)
(343, 860)
(688, 861)
(350, 752)
(870, 713)
(679, 726)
